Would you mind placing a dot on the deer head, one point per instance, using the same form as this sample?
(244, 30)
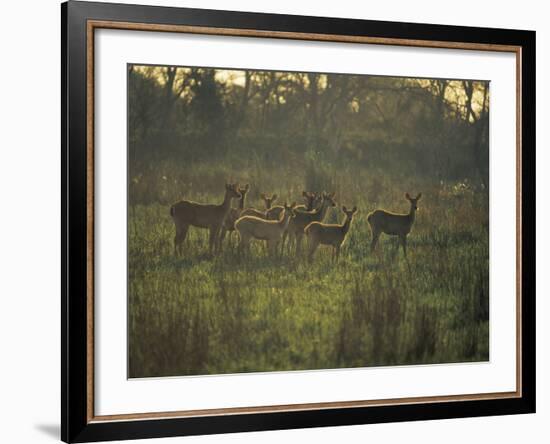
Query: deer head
(289, 210)
(311, 198)
(269, 200)
(349, 213)
(413, 201)
(232, 190)
(244, 190)
(328, 199)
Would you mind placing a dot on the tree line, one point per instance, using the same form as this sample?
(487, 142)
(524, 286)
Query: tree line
(435, 127)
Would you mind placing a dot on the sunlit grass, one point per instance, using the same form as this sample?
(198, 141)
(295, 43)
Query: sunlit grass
(202, 315)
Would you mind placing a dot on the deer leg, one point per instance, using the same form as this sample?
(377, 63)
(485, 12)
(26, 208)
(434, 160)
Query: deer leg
(298, 244)
(272, 248)
(176, 243)
(277, 249)
(184, 238)
(242, 245)
(218, 244)
(285, 234)
(288, 239)
(395, 243)
(404, 244)
(222, 234)
(212, 239)
(375, 237)
(181, 234)
(240, 249)
(312, 248)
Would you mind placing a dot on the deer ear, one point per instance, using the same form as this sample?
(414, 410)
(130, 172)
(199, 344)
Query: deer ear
(344, 209)
(247, 187)
(273, 198)
(407, 196)
(419, 196)
(304, 193)
(354, 210)
(293, 205)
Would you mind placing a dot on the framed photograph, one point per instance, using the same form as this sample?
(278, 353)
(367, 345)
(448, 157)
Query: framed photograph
(276, 221)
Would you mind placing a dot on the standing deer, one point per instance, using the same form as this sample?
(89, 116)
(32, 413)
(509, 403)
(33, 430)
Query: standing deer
(234, 214)
(268, 200)
(334, 235)
(310, 197)
(251, 227)
(382, 221)
(185, 213)
(304, 218)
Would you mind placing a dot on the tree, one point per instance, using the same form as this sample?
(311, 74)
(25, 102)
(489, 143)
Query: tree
(207, 108)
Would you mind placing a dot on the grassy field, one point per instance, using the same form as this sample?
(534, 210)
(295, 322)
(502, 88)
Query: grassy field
(202, 315)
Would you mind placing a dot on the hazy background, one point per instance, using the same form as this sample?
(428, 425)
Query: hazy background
(430, 128)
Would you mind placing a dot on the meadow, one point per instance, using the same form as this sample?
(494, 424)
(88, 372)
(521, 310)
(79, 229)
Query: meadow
(202, 314)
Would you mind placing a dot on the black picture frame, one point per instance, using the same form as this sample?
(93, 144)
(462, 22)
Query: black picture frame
(76, 424)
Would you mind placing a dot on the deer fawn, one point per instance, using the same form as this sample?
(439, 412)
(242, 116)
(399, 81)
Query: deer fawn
(304, 218)
(382, 221)
(185, 213)
(335, 235)
(250, 227)
(234, 214)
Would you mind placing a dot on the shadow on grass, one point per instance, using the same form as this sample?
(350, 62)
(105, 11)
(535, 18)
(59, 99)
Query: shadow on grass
(259, 260)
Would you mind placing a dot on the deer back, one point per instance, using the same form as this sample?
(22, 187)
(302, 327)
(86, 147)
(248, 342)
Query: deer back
(391, 223)
(254, 212)
(274, 213)
(251, 226)
(187, 212)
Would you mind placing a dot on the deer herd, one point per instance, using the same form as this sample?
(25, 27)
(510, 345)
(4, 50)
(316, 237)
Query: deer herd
(278, 225)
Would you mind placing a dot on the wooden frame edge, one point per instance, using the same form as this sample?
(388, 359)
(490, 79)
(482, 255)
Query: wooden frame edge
(519, 220)
(235, 32)
(284, 408)
(90, 183)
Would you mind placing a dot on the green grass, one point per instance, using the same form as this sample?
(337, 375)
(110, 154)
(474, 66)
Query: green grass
(202, 315)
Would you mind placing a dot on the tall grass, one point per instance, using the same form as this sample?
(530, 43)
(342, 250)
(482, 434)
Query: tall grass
(207, 315)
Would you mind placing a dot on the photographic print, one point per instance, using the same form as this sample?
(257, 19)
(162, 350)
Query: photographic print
(282, 221)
